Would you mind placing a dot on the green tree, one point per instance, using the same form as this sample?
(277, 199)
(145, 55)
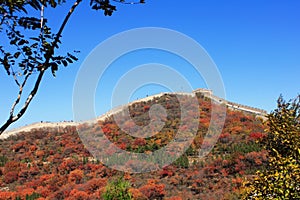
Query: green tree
(117, 189)
(281, 178)
(33, 44)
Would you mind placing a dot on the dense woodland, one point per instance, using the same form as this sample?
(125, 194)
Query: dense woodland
(54, 163)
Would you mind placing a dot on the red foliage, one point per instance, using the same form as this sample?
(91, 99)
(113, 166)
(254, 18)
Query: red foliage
(63, 174)
(146, 107)
(256, 136)
(33, 148)
(204, 122)
(175, 198)
(166, 172)
(25, 192)
(40, 153)
(256, 158)
(122, 146)
(10, 177)
(11, 166)
(137, 194)
(236, 129)
(67, 165)
(43, 191)
(153, 190)
(76, 176)
(240, 166)
(139, 142)
(78, 195)
(94, 184)
(19, 146)
(5, 195)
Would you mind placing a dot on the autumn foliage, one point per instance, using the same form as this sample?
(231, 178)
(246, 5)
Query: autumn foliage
(281, 179)
(54, 163)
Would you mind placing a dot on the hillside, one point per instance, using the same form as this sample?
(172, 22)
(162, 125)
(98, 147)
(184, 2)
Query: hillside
(51, 162)
(204, 92)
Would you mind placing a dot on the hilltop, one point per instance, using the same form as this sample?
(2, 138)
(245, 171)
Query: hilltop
(51, 162)
(205, 92)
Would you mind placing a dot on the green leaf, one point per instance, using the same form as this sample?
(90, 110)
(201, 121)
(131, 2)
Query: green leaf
(72, 57)
(53, 3)
(35, 39)
(69, 60)
(35, 4)
(17, 54)
(64, 62)
(22, 42)
(54, 68)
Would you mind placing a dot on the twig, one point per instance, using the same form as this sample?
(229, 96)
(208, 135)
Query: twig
(20, 94)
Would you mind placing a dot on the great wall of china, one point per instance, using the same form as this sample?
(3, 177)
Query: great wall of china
(205, 92)
(231, 105)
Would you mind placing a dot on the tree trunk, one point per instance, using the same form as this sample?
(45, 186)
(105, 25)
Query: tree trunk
(6, 125)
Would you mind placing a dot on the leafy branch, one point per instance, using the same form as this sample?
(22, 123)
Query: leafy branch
(34, 54)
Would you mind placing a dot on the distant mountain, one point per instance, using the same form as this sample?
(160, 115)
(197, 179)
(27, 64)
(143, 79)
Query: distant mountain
(51, 161)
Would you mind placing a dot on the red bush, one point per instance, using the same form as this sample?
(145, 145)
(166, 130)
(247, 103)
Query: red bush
(153, 190)
(10, 177)
(256, 136)
(175, 198)
(76, 176)
(78, 195)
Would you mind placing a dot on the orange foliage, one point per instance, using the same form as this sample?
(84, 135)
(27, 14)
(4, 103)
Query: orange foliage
(7, 195)
(24, 192)
(136, 194)
(40, 153)
(43, 191)
(66, 175)
(78, 195)
(153, 190)
(139, 142)
(76, 176)
(33, 148)
(67, 165)
(19, 146)
(175, 198)
(10, 177)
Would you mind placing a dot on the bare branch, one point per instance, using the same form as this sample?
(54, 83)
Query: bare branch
(30, 96)
(42, 18)
(19, 95)
(16, 79)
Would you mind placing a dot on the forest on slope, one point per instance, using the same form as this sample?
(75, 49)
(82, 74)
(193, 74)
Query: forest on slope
(51, 163)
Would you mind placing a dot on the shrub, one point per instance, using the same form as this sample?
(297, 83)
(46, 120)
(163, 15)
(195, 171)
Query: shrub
(153, 190)
(117, 189)
(182, 162)
(10, 177)
(3, 161)
(281, 180)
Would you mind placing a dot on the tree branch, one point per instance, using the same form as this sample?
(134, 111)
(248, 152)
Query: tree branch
(16, 79)
(20, 94)
(12, 118)
(58, 35)
(30, 97)
(12, 29)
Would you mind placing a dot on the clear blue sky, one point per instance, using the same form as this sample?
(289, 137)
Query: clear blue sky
(255, 45)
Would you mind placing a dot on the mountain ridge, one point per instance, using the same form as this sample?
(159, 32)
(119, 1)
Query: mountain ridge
(205, 92)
